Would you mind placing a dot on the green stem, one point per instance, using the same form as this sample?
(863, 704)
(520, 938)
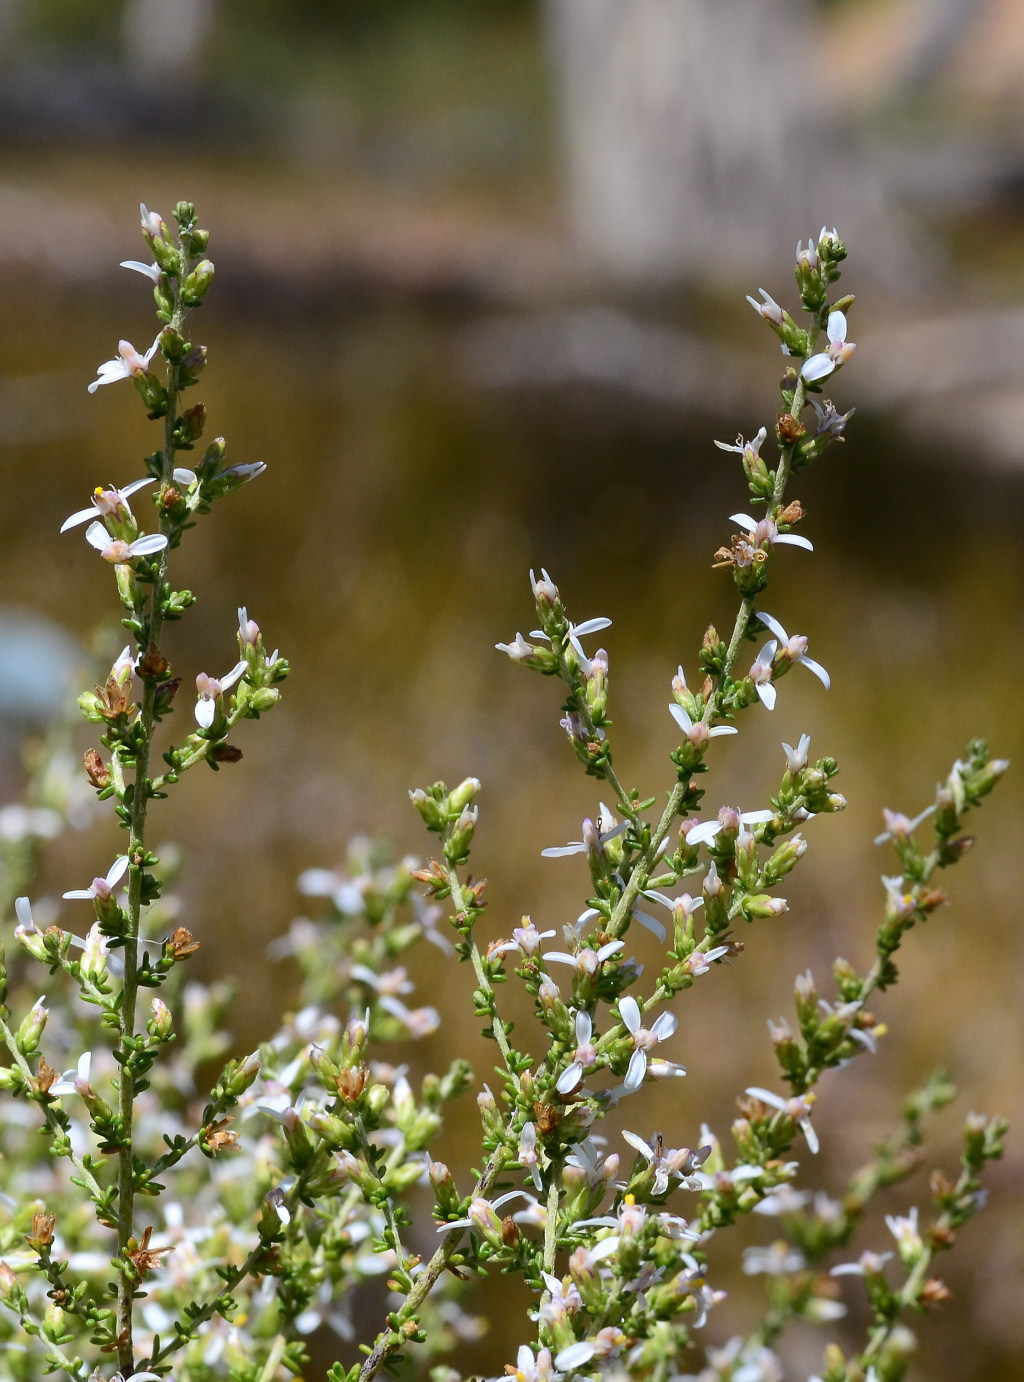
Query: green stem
(136, 854)
(551, 1219)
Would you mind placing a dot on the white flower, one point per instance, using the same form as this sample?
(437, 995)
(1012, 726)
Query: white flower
(782, 1200)
(697, 733)
(122, 553)
(796, 758)
(151, 271)
(700, 961)
(908, 1239)
(764, 530)
(594, 837)
(107, 503)
(868, 1264)
(586, 1157)
(727, 818)
(540, 1370)
(527, 1153)
(419, 1023)
(669, 1163)
(643, 1039)
(584, 1057)
(807, 258)
(778, 1260)
(209, 689)
(578, 631)
(794, 649)
(524, 938)
(750, 449)
(102, 888)
(518, 650)
(181, 475)
(393, 981)
(67, 1083)
(761, 673)
(152, 222)
(799, 1109)
(838, 352)
(128, 364)
(898, 827)
(585, 961)
(769, 309)
(248, 629)
(605, 1344)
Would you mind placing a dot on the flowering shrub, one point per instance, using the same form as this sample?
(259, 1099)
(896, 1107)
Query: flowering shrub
(161, 1227)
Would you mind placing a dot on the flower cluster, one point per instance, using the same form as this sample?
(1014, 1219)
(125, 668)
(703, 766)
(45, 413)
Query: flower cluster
(206, 1232)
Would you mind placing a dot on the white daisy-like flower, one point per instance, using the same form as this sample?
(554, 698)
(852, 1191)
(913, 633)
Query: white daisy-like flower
(761, 672)
(67, 1083)
(765, 530)
(524, 938)
(898, 827)
(539, 1369)
(152, 221)
(643, 1039)
(102, 888)
(128, 364)
(118, 552)
(778, 1260)
(908, 1239)
(517, 650)
(594, 836)
(799, 1109)
(209, 689)
(528, 1155)
(839, 350)
(769, 308)
(585, 961)
(796, 758)
(728, 818)
(868, 1264)
(669, 1163)
(698, 732)
(794, 649)
(584, 1057)
(107, 503)
(393, 981)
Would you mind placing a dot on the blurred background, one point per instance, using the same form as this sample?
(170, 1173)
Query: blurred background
(479, 306)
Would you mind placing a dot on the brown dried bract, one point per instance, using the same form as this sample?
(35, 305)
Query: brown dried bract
(792, 513)
(145, 1257)
(96, 770)
(225, 753)
(351, 1082)
(750, 1107)
(218, 1139)
(548, 1118)
(42, 1230)
(153, 666)
(46, 1075)
(935, 1292)
(114, 698)
(789, 428)
(509, 1232)
(183, 944)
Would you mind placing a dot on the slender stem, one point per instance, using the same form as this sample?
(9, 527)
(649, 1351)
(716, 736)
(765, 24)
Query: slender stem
(136, 855)
(551, 1220)
(273, 1359)
(497, 1026)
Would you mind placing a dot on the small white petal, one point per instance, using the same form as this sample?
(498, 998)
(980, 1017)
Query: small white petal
(129, 490)
(560, 957)
(83, 894)
(722, 729)
(744, 520)
(651, 924)
(206, 710)
(636, 1072)
(773, 625)
(584, 1028)
(794, 540)
(563, 851)
(837, 328)
(227, 682)
(23, 911)
(184, 476)
(591, 626)
(575, 1356)
(766, 1097)
(610, 949)
(766, 656)
(606, 1248)
(117, 870)
(810, 1135)
(703, 833)
(767, 694)
(756, 817)
(818, 367)
(97, 536)
(629, 1012)
(82, 516)
(817, 669)
(681, 718)
(665, 1026)
(570, 1078)
(146, 546)
(151, 271)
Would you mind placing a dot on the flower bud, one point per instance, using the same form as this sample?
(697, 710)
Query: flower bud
(784, 860)
(377, 1099)
(464, 794)
(161, 1024)
(31, 1029)
(762, 905)
(8, 1281)
(432, 810)
(196, 286)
